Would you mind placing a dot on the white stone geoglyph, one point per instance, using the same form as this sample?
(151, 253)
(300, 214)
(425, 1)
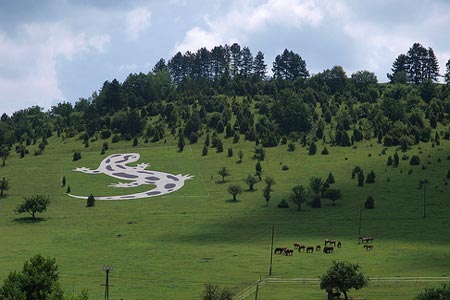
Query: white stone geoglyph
(116, 166)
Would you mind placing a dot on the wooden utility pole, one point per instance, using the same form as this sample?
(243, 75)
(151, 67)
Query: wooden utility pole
(360, 217)
(423, 185)
(271, 251)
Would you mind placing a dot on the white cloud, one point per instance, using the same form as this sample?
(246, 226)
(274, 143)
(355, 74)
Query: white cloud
(137, 21)
(197, 38)
(247, 18)
(379, 44)
(28, 75)
(128, 67)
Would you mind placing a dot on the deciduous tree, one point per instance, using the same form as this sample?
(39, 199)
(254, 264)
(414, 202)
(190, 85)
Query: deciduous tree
(223, 172)
(234, 190)
(343, 276)
(34, 204)
(250, 181)
(298, 196)
(4, 186)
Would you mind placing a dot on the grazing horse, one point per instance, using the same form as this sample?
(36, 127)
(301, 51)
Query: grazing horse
(366, 239)
(279, 250)
(339, 244)
(318, 248)
(330, 242)
(296, 245)
(368, 247)
(288, 252)
(309, 249)
(301, 247)
(328, 249)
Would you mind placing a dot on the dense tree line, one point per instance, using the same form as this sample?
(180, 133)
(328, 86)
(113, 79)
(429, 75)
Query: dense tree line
(226, 91)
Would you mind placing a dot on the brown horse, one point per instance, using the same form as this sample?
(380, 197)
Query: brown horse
(296, 245)
(302, 247)
(309, 249)
(368, 247)
(366, 239)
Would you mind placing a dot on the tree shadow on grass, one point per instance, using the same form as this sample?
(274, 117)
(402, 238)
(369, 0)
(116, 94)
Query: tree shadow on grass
(232, 201)
(28, 220)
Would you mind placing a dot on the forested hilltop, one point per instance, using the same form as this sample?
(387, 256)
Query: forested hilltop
(227, 90)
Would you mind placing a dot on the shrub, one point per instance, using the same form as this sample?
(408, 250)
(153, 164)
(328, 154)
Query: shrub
(291, 147)
(105, 146)
(448, 174)
(361, 178)
(230, 152)
(390, 161)
(371, 177)
(135, 142)
(283, 204)
(415, 160)
(219, 145)
(105, 134)
(37, 152)
(312, 149)
(115, 139)
(205, 151)
(283, 140)
(330, 179)
(76, 156)
(90, 201)
(324, 151)
(316, 203)
(405, 157)
(193, 138)
(370, 203)
(236, 137)
(68, 189)
(285, 168)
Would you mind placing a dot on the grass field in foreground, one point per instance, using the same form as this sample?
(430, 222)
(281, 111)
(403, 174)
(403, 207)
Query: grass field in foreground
(167, 247)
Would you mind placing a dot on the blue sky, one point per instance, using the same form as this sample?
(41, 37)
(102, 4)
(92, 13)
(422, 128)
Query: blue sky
(60, 50)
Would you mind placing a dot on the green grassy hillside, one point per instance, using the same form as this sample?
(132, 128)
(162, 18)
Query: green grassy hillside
(167, 247)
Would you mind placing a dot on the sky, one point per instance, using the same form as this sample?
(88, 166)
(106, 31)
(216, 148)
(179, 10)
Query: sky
(53, 51)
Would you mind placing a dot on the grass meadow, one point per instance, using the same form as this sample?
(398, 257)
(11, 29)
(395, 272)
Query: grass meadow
(167, 247)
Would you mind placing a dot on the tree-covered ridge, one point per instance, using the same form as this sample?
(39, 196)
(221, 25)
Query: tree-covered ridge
(227, 90)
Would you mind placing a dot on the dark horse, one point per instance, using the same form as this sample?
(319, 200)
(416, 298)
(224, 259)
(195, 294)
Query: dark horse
(366, 239)
(279, 250)
(328, 249)
(288, 252)
(330, 242)
(309, 249)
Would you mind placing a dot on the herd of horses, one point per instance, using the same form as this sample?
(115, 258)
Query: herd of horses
(329, 246)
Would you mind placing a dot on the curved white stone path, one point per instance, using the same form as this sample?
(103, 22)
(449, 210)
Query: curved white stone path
(115, 166)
